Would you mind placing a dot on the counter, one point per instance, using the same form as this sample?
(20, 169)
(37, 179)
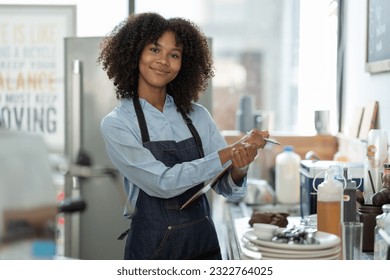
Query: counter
(234, 223)
(225, 215)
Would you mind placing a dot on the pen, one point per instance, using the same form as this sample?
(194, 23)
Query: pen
(269, 140)
(273, 141)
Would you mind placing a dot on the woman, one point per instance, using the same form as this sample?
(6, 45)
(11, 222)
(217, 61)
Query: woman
(165, 145)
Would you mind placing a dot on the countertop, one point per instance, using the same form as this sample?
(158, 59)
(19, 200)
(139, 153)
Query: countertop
(234, 223)
(224, 215)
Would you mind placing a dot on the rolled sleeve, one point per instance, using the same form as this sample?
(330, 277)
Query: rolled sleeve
(228, 189)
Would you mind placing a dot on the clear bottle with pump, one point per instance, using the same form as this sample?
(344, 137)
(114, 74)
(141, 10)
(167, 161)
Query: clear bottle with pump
(380, 246)
(350, 213)
(330, 201)
(287, 184)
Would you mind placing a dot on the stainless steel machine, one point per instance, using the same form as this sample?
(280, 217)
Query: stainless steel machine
(89, 93)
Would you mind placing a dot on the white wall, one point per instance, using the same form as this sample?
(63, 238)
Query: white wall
(94, 18)
(360, 86)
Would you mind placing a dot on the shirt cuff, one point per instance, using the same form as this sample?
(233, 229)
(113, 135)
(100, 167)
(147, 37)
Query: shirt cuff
(240, 184)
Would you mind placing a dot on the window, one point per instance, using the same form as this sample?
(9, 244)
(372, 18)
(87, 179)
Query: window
(279, 55)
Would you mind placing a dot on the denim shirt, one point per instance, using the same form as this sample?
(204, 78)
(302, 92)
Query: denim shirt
(140, 169)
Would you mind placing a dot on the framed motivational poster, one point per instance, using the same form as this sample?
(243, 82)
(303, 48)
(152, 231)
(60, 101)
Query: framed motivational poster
(32, 94)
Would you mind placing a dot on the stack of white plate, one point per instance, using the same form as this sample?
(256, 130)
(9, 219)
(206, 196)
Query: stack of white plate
(328, 248)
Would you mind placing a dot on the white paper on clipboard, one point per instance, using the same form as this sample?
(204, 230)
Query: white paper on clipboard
(205, 188)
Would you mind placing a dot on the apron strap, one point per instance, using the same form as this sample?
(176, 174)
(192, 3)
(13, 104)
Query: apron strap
(141, 120)
(194, 132)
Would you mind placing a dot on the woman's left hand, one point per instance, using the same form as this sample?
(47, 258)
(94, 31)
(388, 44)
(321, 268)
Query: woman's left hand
(242, 155)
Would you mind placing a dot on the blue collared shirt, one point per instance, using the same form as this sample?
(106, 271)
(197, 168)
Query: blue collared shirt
(140, 168)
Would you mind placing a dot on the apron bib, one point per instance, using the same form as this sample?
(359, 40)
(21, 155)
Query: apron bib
(159, 230)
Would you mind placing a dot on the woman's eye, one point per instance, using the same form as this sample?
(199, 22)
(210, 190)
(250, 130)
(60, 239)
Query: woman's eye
(154, 49)
(174, 55)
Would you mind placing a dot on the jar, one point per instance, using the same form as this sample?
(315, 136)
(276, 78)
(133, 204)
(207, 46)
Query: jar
(380, 246)
(367, 215)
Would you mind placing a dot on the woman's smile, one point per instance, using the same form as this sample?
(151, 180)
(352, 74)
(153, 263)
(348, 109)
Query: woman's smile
(160, 71)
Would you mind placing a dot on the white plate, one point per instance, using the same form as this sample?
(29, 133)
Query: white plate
(291, 253)
(252, 255)
(335, 257)
(301, 257)
(326, 240)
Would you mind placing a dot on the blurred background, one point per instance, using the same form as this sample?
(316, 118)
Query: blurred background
(277, 63)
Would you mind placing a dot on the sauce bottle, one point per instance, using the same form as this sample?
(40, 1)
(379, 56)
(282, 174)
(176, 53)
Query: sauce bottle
(330, 202)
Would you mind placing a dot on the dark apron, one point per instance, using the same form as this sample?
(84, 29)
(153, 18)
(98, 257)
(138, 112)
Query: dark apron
(159, 230)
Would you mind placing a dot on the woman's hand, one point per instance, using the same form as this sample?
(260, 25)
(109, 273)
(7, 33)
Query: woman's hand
(242, 155)
(255, 137)
(243, 152)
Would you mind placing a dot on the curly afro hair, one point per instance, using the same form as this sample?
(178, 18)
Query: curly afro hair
(121, 50)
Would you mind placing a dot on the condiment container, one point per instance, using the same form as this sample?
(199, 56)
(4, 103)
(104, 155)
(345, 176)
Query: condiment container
(330, 202)
(350, 213)
(287, 174)
(367, 215)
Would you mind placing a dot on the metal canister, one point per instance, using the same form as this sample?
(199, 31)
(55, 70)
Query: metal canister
(367, 215)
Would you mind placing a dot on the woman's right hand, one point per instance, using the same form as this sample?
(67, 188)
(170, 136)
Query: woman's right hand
(247, 145)
(255, 137)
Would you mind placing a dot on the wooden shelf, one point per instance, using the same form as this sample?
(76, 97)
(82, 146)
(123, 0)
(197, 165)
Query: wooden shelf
(325, 146)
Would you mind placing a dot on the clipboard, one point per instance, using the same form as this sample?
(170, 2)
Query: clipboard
(206, 188)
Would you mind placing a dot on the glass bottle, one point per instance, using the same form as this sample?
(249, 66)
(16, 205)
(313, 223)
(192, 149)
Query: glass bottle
(380, 246)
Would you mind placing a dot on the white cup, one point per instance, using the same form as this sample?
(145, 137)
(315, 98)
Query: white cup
(322, 121)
